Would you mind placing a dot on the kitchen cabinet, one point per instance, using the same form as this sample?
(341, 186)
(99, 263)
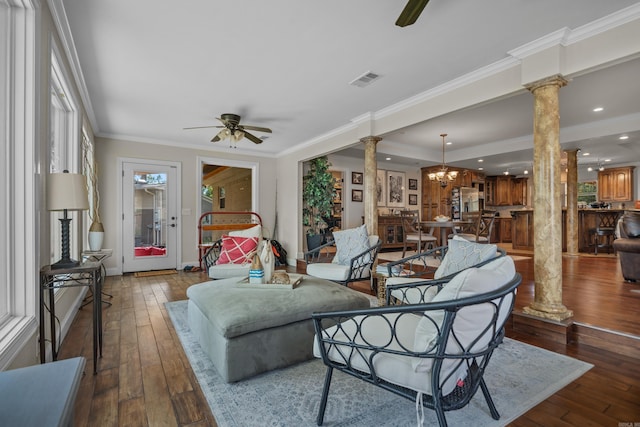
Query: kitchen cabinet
(505, 230)
(615, 184)
(505, 190)
(522, 229)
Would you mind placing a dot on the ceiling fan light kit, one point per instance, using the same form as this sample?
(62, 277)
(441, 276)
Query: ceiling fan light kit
(233, 130)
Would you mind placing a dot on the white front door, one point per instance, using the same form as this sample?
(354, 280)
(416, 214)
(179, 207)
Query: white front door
(150, 216)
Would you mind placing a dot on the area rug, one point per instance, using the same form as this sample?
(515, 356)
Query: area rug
(154, 273)
(519, 377)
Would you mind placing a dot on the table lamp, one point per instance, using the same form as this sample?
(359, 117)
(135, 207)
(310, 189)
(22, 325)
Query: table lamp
(66, 192)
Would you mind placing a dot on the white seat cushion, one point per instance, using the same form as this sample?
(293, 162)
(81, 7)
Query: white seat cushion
(329, 271)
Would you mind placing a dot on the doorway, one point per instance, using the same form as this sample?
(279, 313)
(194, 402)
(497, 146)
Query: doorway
(150, 216)
(226, 185)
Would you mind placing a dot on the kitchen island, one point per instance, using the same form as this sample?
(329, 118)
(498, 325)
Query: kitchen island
(522, 228)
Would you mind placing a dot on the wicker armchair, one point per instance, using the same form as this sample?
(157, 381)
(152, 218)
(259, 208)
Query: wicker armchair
(434, 353)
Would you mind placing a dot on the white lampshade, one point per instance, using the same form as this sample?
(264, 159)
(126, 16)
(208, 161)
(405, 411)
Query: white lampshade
(67, 191)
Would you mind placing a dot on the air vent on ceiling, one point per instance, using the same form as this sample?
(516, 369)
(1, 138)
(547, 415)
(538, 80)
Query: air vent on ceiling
(365, 79)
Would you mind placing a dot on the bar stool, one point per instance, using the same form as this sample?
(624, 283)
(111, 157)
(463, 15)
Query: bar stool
(604, 232)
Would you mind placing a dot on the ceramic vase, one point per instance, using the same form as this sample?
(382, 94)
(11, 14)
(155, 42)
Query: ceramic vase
(96, 236)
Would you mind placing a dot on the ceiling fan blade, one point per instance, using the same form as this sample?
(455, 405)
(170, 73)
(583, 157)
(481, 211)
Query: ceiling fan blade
(216, 139)
(256, 128)
(252, 138)
(202, 127)
(411, 12)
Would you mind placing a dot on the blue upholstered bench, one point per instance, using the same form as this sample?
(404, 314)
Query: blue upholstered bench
(248, 331)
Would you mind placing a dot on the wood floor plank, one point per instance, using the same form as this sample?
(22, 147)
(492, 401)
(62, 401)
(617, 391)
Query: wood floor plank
(187, 408)
(132, 413)
(104, 409)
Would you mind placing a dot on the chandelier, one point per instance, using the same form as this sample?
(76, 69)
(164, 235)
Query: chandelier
(443, 175)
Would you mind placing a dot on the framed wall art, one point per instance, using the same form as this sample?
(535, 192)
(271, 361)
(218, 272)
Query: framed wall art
(413, 184)
(381, 187)
(413, 199)
(356, 195)
(395, 189)
(357, 178)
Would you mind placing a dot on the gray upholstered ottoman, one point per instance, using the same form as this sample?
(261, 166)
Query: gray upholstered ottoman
(249, 331)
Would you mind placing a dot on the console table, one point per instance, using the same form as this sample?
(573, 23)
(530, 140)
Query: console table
(86, 274)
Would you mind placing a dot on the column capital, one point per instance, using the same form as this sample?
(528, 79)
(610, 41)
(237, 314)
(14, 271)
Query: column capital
(556, 80)
(368, 139)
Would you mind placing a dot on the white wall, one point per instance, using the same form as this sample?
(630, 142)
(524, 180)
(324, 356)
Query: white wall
(352, 216)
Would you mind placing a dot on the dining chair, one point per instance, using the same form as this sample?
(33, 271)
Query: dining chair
(413, 232)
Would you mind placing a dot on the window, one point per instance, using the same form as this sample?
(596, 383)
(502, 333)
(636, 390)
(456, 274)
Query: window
(587, 192)
(64, 148)
(18, 203)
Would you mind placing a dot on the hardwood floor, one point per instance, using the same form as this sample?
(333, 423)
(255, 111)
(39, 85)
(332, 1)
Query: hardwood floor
(144, 378)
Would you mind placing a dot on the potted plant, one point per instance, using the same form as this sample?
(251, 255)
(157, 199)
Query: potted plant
(317, 197)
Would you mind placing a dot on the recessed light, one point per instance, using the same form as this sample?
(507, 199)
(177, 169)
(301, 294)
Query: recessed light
(449, 142)
(586, 154)
(480, 169)
(590, 169)
(480, 160)
(388, 158)
(526, 172)
(607, 160)
(597, 109)
(624, 137)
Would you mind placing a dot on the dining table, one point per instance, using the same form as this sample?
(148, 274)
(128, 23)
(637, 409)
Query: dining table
(444, 226)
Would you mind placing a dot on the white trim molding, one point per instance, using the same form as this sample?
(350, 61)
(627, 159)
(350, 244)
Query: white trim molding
(19, 121)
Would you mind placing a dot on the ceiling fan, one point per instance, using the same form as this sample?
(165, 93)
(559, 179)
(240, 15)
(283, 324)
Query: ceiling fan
(411, 12)
(232, 129)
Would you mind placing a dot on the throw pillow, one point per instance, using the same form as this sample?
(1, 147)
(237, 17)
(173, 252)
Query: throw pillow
(237, 250)
(255, 231)
(471, 321)
(350, 243)
(463, 254)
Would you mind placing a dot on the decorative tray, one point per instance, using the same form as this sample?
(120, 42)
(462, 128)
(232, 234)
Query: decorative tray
(294, 281)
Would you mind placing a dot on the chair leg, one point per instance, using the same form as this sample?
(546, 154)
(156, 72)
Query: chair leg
(325, 395)
(492, 407)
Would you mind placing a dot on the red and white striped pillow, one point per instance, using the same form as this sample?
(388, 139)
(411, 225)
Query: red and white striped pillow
(237, 250)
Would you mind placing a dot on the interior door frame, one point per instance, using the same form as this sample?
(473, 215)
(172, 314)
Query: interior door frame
(178, 202)
(254, 166)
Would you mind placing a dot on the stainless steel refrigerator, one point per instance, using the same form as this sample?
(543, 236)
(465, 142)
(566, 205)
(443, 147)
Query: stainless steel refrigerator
(464, 199)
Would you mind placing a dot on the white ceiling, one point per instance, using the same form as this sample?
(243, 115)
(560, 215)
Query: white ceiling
(150, 68)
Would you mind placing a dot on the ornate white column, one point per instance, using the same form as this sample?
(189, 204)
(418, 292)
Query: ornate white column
(547, 206)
